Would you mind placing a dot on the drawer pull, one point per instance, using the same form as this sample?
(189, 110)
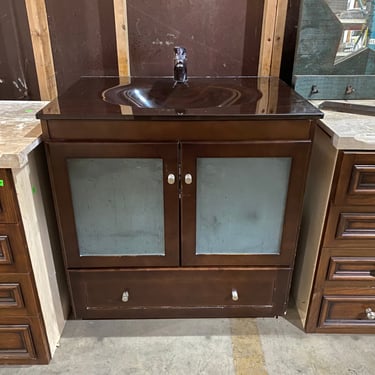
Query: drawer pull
(370, 314)
(125, 296)
(234, 295)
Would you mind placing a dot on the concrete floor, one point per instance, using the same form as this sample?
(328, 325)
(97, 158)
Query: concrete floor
(204, 346)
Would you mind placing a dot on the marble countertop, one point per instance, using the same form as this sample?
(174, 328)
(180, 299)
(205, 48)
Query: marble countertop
(349, 131)
(20, 131)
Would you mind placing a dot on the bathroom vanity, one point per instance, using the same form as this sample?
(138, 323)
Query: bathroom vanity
(334, 281)
(34, 301)
(171, 208)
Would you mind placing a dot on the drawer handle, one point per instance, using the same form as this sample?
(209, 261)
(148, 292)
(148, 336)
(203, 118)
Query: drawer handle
(370, 314)
(125, 296)
(234, 295)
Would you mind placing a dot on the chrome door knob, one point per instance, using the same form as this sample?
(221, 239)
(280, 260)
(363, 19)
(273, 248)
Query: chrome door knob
(171, 179)
(188, 179)
(370, 314)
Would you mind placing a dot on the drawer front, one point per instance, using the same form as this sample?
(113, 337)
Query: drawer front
(351, 269)
(13, 249)
(179, 293)
(17, 295)
(347, 311)
(8, 205)
(16, 342)
(350, 227)
(356, 182)
(23, 341)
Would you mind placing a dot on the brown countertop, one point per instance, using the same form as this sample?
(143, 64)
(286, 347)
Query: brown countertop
(260, 98)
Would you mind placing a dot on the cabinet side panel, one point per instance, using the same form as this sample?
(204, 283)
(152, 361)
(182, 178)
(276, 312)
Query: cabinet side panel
(318, 187)
(31, 185)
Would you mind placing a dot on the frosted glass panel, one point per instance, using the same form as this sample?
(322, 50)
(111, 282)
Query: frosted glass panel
(118, 206)
(241, 204)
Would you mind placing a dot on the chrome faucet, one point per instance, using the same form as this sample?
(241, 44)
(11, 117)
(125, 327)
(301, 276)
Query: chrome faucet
(180, 70)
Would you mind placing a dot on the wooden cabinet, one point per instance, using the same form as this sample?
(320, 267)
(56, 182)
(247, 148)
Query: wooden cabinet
(341, 292)
(178, 218)
(23, 337)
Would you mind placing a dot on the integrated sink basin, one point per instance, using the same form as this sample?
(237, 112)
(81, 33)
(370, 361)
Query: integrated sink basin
(196, 93)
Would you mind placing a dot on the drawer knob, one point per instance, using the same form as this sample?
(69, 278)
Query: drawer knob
(234, 295)
(125, 296)
(370, 314)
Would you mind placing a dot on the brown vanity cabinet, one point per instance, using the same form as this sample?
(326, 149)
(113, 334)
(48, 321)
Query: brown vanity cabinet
(23, 338)
(189, 208)
(340, 297)
(182, 227)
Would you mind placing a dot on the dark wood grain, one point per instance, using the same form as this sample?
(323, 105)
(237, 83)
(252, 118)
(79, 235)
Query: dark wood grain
(60, 152)
(8, 202)
(299, 154)
(13, 249)
(344, 284)
(356, 182)
(183, 292)
(23, 341)
(23, 338)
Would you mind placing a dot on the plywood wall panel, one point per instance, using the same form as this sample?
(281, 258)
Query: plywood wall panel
(18, 79)
(222, 37)
(83, 39)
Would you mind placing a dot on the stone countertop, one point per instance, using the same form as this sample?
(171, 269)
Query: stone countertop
(20, 131)
(349, 131)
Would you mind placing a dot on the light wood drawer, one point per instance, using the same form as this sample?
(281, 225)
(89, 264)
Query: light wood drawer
(356, 181)
(23, 341)
(179, 293)
(348, 311)
(13, 249)
(17, 295)
(8, 204)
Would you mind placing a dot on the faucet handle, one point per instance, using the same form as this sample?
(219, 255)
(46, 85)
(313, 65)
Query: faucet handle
(180, 52)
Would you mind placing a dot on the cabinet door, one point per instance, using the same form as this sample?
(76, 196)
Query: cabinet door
(117, 204)
(241, 203)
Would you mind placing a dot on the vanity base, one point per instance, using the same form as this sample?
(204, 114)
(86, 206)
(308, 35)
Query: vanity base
(179, 293)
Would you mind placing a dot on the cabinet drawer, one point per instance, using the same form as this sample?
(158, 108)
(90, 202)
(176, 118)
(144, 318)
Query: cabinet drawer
(23, 341)
(350, 227)
(356, 182)
(347, 311)
(347, 265)
(351, 268)
(8, 205)
(13, 249)
(17, 295)
(179, 293)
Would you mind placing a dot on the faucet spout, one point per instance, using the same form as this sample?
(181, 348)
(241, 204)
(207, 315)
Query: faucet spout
(180, 68)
